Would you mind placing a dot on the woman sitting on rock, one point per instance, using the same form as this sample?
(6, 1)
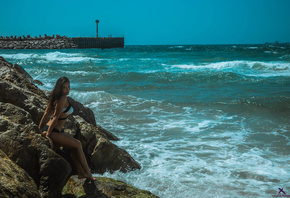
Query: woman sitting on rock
(60, 108)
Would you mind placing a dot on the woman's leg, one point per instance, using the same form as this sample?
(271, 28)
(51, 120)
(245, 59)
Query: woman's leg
(77, 165)
(78, 156)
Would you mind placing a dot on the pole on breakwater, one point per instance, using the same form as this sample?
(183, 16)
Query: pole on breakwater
(97, 22)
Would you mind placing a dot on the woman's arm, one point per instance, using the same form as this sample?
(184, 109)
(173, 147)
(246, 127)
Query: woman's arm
(58, 110)
(44, 118)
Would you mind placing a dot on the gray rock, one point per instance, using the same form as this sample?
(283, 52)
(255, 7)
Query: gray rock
(15, 182)
(104, 188)
(23, 144)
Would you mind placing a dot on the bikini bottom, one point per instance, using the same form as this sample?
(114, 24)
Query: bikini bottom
(45, 128)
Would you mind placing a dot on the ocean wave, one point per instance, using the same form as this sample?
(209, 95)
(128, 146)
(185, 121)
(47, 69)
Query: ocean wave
(253, 68)
(205, 163)
(52, 57)
(253, 48)
(287, 57)
(176, 47)
(169, 79)
(259, 105)
(64, 58)
(19, 56)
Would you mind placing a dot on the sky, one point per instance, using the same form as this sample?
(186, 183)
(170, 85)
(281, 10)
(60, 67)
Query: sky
(152, 22)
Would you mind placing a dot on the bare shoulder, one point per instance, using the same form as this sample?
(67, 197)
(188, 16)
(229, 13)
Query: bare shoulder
(62, 101)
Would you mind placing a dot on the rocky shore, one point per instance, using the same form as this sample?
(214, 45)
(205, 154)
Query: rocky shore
(30, 168)
(41, 42)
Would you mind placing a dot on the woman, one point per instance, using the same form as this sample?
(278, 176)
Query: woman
(60, 108)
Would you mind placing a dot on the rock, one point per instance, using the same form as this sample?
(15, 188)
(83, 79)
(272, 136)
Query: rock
(20, 140)
(15, 182)
(103, 187)
(86, 113)
(37, 82)
(18, 90)
(106, 156)
(29, 101)
(103, 155)
(52, 42)
(107, 134)
(23, 72)
(18, 76)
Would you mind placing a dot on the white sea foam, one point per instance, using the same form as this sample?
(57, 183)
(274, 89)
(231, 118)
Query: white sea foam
(250, 68)
(17, 56)
(197, 171)
(217, 66)
(177, 47)
(65, 58)
(91, 97)
(204, 156)
(78, 73)
(284, 57)
(164, 154)
(52, 57)
(253, 48)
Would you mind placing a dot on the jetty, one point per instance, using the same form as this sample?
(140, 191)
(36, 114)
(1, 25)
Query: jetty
(60, 42)
(100, 42)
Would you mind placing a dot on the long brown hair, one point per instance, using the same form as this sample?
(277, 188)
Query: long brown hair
(56, 93)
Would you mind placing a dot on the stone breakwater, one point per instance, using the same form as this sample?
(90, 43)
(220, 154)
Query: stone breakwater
(30, 168)
(41, 42)
(59, 42)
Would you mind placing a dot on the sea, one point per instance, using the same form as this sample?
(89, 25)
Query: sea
(202, 120)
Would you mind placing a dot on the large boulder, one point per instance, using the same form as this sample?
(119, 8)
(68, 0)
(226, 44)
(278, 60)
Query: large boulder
(86, 113)
(23, 98)
(103, 188)
(103, 154)
(20, 140)
(16, 75)
(15, 182)
(17, 88)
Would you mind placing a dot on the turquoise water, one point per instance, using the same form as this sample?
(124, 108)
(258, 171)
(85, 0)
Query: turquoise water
(203, 121)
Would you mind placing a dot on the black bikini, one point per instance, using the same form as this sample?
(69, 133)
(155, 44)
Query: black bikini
(68, 110)
(45, 128)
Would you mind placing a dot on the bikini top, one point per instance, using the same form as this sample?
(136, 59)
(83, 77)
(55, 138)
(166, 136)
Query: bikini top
(67, 110)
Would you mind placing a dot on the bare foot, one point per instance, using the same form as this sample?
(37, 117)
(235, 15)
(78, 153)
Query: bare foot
(87, 176)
